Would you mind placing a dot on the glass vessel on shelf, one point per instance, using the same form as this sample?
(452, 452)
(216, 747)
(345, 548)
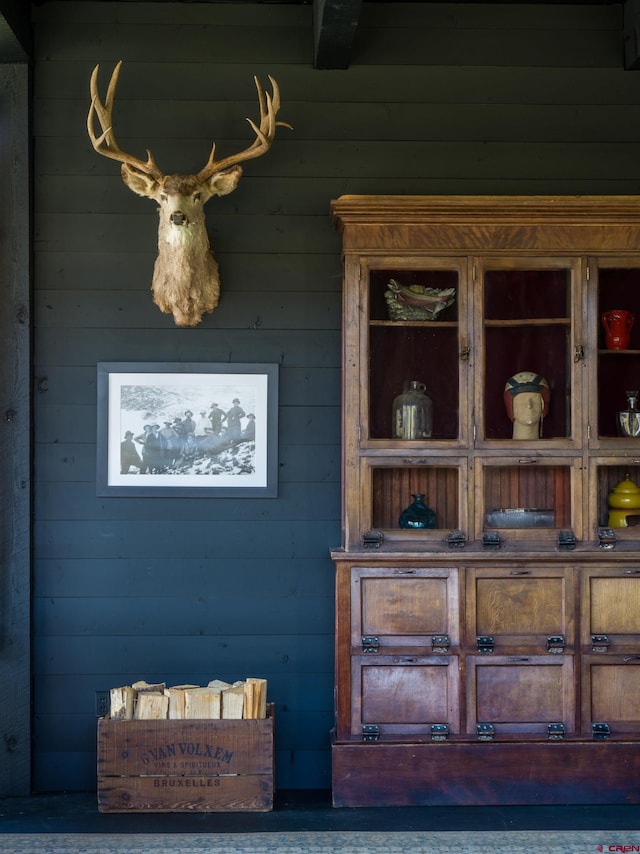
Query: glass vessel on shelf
(412, 416)
(417, 516)
(629, 418)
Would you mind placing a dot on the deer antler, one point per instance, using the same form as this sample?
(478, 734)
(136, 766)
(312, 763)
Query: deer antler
(265, 134)
(106, 144)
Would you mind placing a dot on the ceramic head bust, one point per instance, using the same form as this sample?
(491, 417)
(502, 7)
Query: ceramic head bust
(526, 398)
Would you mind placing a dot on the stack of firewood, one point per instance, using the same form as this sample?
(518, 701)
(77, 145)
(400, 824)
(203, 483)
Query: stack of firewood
(217, 700)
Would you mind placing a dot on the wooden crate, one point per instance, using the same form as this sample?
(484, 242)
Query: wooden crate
(186, 766)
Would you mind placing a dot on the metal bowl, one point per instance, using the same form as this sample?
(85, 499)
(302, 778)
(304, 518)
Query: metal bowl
(521, 517)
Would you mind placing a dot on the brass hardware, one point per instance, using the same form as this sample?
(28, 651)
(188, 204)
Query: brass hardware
(440, 643)
(606, 539)
(555, 732)
(566, 541)
(370, 644)
(600, 731)
(370, 732)
(439, 732)
(491, 540)
(599, 643)
(485, 644)
(485, 732)
(578, 353)
(556, 644)
(456, 539)
(372, 539)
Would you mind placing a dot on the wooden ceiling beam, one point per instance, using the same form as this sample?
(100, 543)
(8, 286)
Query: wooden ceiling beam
(334, 26)
(15, 31)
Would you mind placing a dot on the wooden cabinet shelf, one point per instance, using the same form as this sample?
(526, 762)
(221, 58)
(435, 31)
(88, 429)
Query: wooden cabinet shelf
(491, 657)
(531, 321)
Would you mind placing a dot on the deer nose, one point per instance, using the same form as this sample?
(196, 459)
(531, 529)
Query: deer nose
(178, 218)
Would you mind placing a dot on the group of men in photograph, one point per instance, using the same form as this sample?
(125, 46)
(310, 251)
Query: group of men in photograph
(179, 442)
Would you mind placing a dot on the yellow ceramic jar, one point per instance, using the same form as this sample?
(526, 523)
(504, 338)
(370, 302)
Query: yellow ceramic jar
(624, 500)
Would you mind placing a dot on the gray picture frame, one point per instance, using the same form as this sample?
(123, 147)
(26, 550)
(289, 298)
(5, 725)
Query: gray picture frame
(150, 406)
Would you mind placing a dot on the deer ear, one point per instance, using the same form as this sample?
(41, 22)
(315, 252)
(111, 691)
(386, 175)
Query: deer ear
(139, 182)
(223, 183)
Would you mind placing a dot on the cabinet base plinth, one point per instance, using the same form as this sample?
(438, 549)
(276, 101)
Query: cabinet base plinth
(485, 774)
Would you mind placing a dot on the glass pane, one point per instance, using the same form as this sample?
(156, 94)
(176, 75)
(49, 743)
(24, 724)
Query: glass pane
(527, 496)
(425, 351)
(618, 350)
(619, 497)
(527, 330)
(394, 488)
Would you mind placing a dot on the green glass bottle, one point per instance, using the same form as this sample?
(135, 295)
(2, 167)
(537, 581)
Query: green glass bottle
(417, 516)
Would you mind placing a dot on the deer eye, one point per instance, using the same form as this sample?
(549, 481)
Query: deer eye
(197, 197)
(163, 197)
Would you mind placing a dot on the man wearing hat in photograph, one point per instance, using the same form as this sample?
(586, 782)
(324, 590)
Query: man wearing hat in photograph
(234, 427)
(129, 454)
(217, 417)
(526, 397)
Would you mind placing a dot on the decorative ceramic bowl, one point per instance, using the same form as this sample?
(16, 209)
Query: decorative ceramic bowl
(521, 517)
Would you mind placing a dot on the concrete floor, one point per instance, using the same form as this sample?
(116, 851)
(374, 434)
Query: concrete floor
(304, 811)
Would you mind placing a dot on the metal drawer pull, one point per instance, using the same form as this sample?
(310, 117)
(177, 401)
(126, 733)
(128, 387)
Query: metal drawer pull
(631, 572)
(519, 660)
(520, 572)
(404, 572)
(403, 660)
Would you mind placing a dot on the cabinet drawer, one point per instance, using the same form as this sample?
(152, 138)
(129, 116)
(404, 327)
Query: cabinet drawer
(520, 694)
(521, 608)
(409, 607)
(611, 608)
(404, 695)
(611, 692)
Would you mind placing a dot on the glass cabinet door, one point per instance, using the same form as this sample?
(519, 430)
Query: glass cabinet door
(529, 497)
(616, 328)
(417, 348)
(530, 344)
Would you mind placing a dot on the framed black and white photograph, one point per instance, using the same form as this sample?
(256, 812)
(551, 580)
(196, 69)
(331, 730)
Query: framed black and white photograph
(187, 429)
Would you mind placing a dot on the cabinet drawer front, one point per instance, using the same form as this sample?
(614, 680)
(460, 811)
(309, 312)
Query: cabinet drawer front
(611, 606)
(520, 607)
(520, 694)
(611, 692)
(405, 695)
(404, 606)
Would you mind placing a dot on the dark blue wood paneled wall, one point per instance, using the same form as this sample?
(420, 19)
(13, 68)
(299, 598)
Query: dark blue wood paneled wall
(438, 99)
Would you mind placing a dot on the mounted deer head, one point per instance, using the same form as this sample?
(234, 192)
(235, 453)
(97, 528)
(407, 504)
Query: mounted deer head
(185, 276)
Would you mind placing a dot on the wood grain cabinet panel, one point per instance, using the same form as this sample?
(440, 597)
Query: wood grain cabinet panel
(508, 627)
(405, 695)
(521, 608)
(405, 607)
(520, 694)
(611, 694)
(611, 608)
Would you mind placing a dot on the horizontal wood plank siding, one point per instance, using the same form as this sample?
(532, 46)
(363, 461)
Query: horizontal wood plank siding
(440, 99)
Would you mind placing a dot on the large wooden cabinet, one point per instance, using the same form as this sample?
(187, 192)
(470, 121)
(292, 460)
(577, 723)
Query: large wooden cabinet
(495, 657)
